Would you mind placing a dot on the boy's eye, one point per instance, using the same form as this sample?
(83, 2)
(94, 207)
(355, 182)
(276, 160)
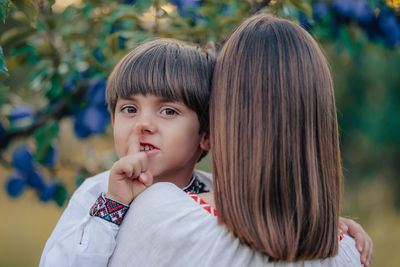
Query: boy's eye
(169, 112)
(129, 109)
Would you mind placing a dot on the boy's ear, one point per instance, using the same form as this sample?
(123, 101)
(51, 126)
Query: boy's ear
(112, 120)
(205, 141)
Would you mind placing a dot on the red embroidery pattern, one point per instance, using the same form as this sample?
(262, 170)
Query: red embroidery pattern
(109, 210)
(202, 203)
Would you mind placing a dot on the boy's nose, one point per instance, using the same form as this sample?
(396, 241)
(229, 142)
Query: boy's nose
(144, 127)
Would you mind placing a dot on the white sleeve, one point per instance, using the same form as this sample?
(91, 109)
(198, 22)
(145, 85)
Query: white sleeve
(348, 254)
(78, 238)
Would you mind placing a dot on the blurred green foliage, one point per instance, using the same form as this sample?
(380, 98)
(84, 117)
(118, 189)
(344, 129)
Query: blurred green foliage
(54, 65)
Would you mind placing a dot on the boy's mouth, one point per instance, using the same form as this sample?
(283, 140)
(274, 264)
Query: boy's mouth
(147, 147)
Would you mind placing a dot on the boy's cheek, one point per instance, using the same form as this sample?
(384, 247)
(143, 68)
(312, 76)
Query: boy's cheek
(121, 138)
(119, 145)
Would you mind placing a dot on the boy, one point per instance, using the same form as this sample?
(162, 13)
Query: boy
(158, 98)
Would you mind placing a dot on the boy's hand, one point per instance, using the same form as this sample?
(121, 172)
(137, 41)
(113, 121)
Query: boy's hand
(363, 242)
(129, 176)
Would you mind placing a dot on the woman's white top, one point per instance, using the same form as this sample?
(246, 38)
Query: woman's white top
(166, 227)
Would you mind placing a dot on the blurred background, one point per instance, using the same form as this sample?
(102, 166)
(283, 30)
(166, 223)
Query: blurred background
(55, 57)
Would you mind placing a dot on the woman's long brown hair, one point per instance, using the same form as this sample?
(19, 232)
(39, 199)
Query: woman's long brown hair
(274, 138)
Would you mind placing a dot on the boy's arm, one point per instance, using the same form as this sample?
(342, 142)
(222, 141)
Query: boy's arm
(78, 238)
(364, 243)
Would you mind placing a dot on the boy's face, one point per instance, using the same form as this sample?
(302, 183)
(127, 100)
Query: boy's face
(168, 133)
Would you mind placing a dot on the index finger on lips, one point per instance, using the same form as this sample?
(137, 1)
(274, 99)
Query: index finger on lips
(134, 144)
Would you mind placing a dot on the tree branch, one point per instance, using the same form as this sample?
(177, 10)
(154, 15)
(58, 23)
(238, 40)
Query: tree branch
(258, 6)
(59, 111)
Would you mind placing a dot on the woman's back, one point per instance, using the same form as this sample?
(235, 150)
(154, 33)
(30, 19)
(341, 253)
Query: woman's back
(166, 227)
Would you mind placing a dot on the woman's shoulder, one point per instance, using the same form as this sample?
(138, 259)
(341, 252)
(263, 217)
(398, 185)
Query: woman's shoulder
(163, 225)
(348, 255)
(165, 201)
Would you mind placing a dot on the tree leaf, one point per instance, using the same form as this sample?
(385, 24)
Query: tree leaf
(303, 6)
(4, 7)
(28, 7)
(14, 35)
(345, 37)
(47, 133)
(60, 195)
(112, 41)
(142, 5)
(44, 137)
(3, 67)
(55, 90)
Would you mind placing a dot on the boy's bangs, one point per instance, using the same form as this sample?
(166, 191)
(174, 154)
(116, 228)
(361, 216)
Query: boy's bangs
(171, 73)
(148, 77)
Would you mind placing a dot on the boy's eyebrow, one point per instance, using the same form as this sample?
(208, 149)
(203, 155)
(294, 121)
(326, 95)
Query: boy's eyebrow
(161, 99)
(131, 97)
(165, 100)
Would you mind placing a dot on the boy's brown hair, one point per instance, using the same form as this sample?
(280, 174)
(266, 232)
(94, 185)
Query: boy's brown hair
(168, 68)
(274, 139)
